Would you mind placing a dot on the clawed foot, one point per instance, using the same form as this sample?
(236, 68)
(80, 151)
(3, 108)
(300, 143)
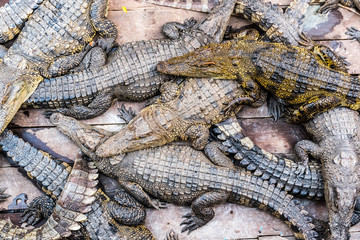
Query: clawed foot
(48, 113)
(353, 33)
(189, 23)
(192, 222)
(126, 114)
(3, 196)
(327, 7)
(171, 235)
(106, 44)
(228, 107)
(31, 216)
(158, 204)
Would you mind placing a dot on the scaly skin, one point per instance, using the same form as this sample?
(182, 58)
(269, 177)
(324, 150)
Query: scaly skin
(336, 144)
(277, 25)
(13, 15)
(296, 75)
(184, 176)
(52, 175)
(69, 211)
(183, 112)
(332, 4)
(54, 39)
(282, 172)
(130, 73)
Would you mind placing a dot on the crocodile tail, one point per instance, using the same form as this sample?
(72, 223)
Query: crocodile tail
(256, 192)
(203, 6)
(297, 9)
(48, 173)
(13, 15)
(69, 211)
(277, 170)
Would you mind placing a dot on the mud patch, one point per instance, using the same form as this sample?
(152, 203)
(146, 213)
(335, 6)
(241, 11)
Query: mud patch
(316, 25)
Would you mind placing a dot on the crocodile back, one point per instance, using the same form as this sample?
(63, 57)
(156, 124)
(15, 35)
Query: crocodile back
(130, 74)
(13, 15)
(55, 29)
(296, 74)
(202, 100)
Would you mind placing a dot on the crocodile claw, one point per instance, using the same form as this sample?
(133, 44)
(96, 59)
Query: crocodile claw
(31, 216)
(327, 7)
(353, 33)
(126, 114)
(158, 204)
(191, 223)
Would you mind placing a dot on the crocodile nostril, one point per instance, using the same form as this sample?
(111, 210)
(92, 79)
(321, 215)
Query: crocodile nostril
(161, 66)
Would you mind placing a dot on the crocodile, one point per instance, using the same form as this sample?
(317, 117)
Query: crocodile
(68, 213)
(13, 15)
(182, 175)
(279, 26)
(118, 219)
(183, 112)
(54, 39)
(295, 75)
(284, 172)
(130, 72)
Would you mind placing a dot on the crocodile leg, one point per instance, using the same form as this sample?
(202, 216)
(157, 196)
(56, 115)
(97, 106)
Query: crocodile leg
(64, 64)
(169, 91)
(202, 212)
(41, 207)
(138, 193)
(102, 25)
(199, 135)
(94, 59)
(125, 209)
(215, 152)
(302, 150)
(98, 106)
(126, 114)
(173, 29)
(308, 110)
(328, 6)
(330, 58)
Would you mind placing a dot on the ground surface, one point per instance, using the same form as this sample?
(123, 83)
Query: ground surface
(143, 21)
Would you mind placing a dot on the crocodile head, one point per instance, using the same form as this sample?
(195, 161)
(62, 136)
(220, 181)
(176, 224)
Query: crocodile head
(85, 136)
(341, 192)
(15, 87)
(209, 61)
(154, 126)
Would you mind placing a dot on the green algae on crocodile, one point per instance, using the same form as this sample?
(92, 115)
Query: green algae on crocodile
(130, 72)
(156, 171)
(51, 176)
(296, 75)
(53, 40)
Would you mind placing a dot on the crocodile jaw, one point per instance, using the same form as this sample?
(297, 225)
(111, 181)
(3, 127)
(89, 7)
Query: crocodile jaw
(13, 93)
